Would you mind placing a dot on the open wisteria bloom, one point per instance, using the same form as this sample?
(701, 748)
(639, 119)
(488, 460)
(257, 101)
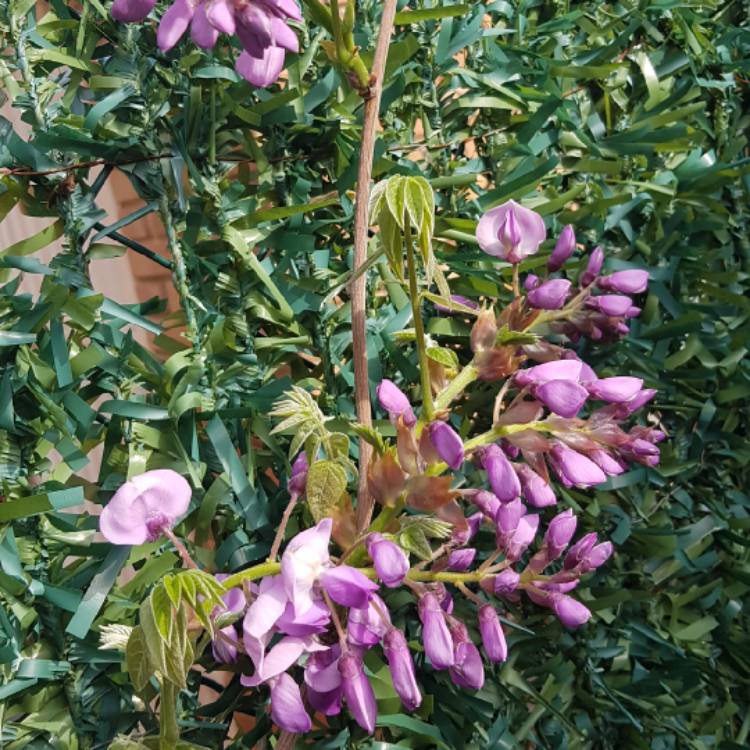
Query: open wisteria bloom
(145, 507)
(260, 25)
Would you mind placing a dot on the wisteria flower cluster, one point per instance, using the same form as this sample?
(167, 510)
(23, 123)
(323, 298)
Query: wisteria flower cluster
(302, 626)
(260, 25)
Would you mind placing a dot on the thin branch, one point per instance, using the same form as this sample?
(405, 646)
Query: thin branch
(279, 538)
(359, 285)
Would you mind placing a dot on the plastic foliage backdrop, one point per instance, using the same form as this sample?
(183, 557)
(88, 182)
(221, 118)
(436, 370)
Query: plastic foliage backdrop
(628, 120)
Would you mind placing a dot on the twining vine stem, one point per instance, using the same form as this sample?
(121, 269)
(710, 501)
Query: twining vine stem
(359, 283)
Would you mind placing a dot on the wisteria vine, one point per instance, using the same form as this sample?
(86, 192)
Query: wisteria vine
(301, 624)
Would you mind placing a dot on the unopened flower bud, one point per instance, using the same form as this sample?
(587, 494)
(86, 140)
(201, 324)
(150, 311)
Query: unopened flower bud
(447, 443)
(579, 550)
(614, 305)
(616, 390)
(570, 612)
(536, 491)
(395, 402)
(358, 692)
(493, 637)
(632, 281)
(559, 533)
(461, 559)
(401, 666)
(390, 561)
(550, 295)
(500, 473)
(467, 670)
(298, 477)
(575, 467)
(436, 637)
(564, 248)
(506, 582)
(596, 261)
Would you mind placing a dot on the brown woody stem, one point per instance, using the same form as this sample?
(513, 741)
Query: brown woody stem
(359, 284)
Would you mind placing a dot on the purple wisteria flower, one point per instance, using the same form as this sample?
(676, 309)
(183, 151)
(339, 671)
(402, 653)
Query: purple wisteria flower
(511, 232)
(262, 27)
(144, 507)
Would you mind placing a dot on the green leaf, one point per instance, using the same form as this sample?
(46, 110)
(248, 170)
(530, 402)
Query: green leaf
(326, 484)
(431, 14)
(138, 660)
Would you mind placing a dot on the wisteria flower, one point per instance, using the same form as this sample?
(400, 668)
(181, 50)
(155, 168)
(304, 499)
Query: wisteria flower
(144, 507)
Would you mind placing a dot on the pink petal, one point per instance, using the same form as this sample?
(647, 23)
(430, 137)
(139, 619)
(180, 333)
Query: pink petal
(174, 24)
(287, 709)
(201, 31)
(263, 71)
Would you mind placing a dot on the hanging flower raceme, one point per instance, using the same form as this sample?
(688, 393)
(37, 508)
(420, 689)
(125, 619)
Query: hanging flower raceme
(262, 27)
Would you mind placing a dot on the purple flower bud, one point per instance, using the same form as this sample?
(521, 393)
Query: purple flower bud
(632, 281)
(613, 305)
(467, 670)
(447, 443)
(438, 644)
(564, 248)
(365, 627)
(506, 582)
(224, 646)
(507, 517)
(575, 467)
(298, 478)
(347, 586)
(596, 557)
(394, 401)
(493, 638)
(531, 281)
(522, 537)
(535, 490)
(559, 533)
(401, 665)
(358, 692)
(639, 401)
(579, 550)
(461, 537)
(487, 503)
(563, 397)
(596, 261)
(607, 463)
(570, 612)
(500, 474)
(390, 561)
(461, 559)
(511, 232)
(550, 295)
(615, 390)
(562, 369)
(287, 709)
(129, 11)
